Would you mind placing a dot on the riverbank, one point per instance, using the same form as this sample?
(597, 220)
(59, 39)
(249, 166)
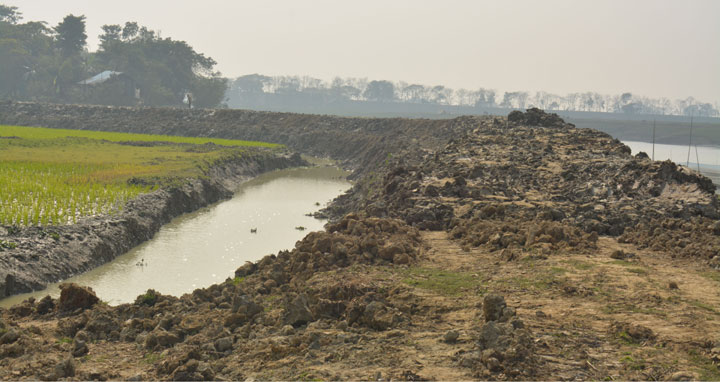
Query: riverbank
(41, 255)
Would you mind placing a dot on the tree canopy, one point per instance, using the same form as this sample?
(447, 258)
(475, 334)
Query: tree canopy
(9, 14)
(71, 37)
(51, 64)
(163, 69)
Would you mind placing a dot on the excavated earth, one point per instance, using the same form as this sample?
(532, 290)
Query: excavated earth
(493, 248)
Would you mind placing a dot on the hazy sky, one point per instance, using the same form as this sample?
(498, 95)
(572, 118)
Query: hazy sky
(655, 48)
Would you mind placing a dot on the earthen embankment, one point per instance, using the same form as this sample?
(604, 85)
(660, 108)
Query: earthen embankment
(358, 142)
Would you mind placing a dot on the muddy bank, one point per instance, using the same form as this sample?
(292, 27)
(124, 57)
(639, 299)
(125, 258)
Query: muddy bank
(38, 256)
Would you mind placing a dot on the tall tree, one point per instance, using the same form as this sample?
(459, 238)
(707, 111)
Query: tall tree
(110, 33)
(71, 37)
(130, 30)
(163, 69)
(9, 14)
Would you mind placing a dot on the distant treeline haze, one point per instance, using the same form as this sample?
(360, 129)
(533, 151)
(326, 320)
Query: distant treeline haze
(246, 90)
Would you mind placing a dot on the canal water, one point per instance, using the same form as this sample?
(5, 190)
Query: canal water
(205, 247)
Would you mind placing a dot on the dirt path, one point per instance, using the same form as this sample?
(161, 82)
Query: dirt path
(571, 301)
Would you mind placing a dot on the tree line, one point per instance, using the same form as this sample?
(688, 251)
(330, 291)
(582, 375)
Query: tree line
(304, 89)
(133, 65)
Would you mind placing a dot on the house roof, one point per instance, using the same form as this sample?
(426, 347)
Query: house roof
(100, 78)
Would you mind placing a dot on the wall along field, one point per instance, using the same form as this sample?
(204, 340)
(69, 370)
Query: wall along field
(55, 176)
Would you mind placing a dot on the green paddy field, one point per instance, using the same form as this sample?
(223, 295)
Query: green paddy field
(55, 176)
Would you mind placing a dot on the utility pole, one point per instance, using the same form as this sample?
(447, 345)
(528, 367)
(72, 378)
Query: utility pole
(653, 153)
(690, 143)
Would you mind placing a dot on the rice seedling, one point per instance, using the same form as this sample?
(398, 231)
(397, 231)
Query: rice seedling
(55, 177)
(50, 194)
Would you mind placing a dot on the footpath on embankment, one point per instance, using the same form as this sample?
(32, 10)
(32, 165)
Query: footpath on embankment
(515, 249)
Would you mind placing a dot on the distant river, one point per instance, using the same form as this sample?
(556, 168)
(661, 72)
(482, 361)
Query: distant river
(205, 247)
(707, 156)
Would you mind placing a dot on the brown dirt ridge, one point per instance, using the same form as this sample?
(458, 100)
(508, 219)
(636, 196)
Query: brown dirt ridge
(499, 249)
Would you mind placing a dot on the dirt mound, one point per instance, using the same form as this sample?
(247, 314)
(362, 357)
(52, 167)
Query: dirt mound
(277, 308)
(73, 296)
(546, 236)
(541, 188)
(351, 240)
(535, 117)
(695, 237)
(504, 348)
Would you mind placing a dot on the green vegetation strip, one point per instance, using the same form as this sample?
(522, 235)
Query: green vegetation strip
(44, 133)
(441, 281)
(54, 177)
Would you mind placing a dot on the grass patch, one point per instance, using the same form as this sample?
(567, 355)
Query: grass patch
(707, 370)
(272, 302)
(625, 338)
(702, 305)
(622, 263)
(7, 245)
(638, 271)
(152, 358)
(238, 280)
(54, 176)
(579, 264)
(633, 363)
(711, 275)
(543, 281)
(64, 340)
(630, 308)
(148, 298)
(443, 282)
(41, 133)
